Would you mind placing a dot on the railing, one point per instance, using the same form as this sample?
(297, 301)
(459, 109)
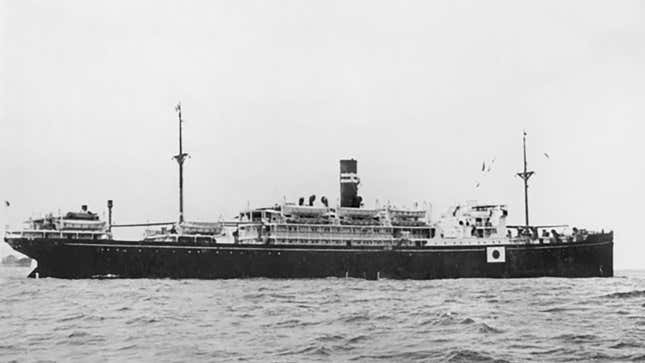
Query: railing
(55, 234)
(192, 239)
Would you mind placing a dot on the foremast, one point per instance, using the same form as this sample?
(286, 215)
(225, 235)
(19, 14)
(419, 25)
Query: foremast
(181, 157)
(525, 175)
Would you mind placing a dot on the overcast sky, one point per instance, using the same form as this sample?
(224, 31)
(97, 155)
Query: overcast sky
(275, 93)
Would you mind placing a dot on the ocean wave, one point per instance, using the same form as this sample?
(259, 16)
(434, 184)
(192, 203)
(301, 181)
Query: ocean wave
(327, 338)
(627, 345)
(127, 347)
(261, 320)
(71, 317)
(576, 338)
(355, 318)
(357, 339)
(441, 319)
(414, 356)
(142, 320)
(625, 295)
(465, 355)
(288, 323)
(487, 329)
(309, 350)
(80, 334)
(553, 352)
(638, 357)
(561, 309)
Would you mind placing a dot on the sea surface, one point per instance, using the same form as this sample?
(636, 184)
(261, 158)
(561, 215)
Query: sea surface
(261, 320)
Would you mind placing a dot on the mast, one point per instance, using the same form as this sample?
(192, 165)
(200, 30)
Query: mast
(180, 160)
(525, 176)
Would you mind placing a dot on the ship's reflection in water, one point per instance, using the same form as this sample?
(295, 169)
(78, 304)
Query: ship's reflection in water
(545, 319)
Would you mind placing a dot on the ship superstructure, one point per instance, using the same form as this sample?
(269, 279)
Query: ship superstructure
(352, 225)
(72, 225)
(317, 224)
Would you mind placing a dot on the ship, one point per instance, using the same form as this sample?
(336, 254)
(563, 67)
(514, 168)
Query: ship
(310, 238)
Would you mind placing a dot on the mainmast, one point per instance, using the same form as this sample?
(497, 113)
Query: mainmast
(525, 176)
(180, 160)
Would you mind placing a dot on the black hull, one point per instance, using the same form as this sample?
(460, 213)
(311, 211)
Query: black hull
(135, 259)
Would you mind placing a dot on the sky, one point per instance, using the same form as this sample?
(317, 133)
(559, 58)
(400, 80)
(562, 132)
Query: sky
(275, 93)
